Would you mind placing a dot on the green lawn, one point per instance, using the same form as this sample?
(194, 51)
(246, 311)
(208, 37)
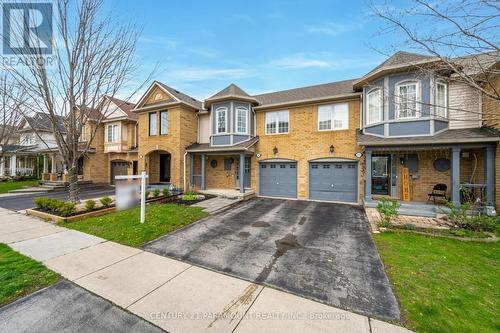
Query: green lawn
(124, 227)
(16, 184)
(20, 275)
(443, 285)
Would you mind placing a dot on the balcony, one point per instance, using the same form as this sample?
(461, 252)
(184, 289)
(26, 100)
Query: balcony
(116, 147)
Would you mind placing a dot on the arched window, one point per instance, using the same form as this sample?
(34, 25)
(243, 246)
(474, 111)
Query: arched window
(407, 98)
(374, 106)
(241, 119)
(221, 120)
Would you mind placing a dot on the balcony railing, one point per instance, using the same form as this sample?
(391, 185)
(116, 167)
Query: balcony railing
(116, 147)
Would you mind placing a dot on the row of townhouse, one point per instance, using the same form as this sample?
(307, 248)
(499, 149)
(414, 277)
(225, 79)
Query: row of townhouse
(396, 132)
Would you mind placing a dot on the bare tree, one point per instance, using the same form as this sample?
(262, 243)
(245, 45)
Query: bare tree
(94, 57)
(462, 37)
(11, 104)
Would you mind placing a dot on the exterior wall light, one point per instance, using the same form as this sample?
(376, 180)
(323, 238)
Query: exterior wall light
(332, 149)
(275, 150)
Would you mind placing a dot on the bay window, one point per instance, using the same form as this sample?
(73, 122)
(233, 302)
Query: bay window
(441, 100)
(112, 133)
(241, 120)
(407, 100)
(374, 106)
(221, 117)
(277, 122)
(333, 117)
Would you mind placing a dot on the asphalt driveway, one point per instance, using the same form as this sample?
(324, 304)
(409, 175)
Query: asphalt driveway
(322, 251)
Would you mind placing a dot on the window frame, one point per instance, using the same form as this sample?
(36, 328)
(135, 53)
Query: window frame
(397, 108)
(445, 107)
(276, 121)
(155, 114)
(221, 109)
(368, 121)
(332, 117)
(236, 111)
(113, 132)
(161, 123)
(83, 134)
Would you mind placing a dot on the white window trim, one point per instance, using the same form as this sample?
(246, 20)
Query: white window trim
(156, 123)
(277, 122)
(159, 127)
(225, 110)
(418, 95)
(333, 119)
(83, 135)
(443, 83)
(241, 108)
(380, 105)
(115, 139)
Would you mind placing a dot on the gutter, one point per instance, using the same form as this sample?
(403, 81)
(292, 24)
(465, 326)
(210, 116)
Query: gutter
(309, 100)
(435, 142)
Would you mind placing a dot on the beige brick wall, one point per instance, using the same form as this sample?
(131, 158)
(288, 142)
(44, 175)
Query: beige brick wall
(217, 177)
(304, 142)
(96, 165)
(182, 127)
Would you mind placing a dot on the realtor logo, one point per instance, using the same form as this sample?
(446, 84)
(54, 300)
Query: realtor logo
(27, 28)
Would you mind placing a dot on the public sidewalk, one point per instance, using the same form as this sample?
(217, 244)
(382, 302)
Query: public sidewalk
(171, 294)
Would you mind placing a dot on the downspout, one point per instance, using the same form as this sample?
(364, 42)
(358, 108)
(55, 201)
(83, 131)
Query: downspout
(185, 154)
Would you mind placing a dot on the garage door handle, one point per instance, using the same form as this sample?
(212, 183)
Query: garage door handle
(277, 183)
(331, 185)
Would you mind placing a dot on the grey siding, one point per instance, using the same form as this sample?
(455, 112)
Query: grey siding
(378, 129)
(221, 140)
(424, 92)
(410, 128)
(240, 138)
(231, 126)
(440, 125)
(229, 116)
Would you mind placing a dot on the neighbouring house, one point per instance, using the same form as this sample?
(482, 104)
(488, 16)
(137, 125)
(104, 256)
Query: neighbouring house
(346, 141)
(113, 150)
(35, 140)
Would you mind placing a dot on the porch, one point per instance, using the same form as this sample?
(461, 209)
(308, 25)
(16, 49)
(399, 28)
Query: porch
(15, 165)
(411, 173)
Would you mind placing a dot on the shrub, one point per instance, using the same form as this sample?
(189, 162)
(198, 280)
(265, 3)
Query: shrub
(106, 201)
(388, 210)
(41, 203)
(189, 196)
(66, 208)
(90, 204)
(147, 194)
(52, 205)
(156, 192)
(166, 192)
(460, 217)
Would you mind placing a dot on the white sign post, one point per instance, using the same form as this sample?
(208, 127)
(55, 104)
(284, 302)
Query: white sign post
(128, 197)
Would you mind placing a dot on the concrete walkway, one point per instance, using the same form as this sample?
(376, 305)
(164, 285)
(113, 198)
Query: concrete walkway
(171, 294)
(216, 204)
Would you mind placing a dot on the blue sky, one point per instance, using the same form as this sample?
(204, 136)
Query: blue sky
(202, 46)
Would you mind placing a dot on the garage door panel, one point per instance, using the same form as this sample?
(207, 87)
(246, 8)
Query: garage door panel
(332, 181)
(278, 179)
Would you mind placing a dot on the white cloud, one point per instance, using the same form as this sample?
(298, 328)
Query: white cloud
(329, 28)
(162, 41)
(202, 74)
(300, 62)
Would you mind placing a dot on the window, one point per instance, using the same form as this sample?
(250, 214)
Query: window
(441, 99)
(406, 100)
(333, 117)
(83, 136)
(164, 122)
(241, 119)
(374, 106)
(277, 122)
(112, 133)
(221, 117)
(27, 139)
(326, 166)
(152, 123)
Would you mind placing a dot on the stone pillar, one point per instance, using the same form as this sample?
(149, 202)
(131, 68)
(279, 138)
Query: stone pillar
(242, 173)
(13, 165)
(191, 170)
(368, 175)
(490, 176)
(202, 185)
(45, 164)
(455, 176)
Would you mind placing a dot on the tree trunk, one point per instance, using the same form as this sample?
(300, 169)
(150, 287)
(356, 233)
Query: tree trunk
(74, 190)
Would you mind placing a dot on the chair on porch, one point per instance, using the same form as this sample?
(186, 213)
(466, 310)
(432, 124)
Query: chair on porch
(439, 190)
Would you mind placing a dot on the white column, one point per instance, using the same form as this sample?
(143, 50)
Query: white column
(54, 169)
(45, 164)
(2, 166)
(13, 166)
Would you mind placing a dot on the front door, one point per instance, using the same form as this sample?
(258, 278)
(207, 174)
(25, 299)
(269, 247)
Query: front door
(164, 168)
(246, 173)
(381, 175)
